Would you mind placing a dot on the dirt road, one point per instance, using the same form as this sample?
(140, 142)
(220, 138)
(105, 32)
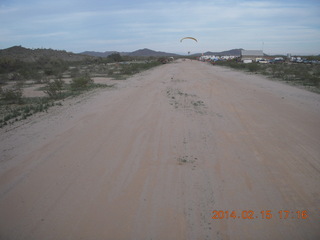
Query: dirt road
(154, 157)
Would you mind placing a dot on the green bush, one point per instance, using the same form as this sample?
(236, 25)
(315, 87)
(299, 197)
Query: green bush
(12, 95)
(82, 82)
(110, 72)
(54, 89)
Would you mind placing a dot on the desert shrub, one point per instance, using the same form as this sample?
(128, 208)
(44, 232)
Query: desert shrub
(236, 65)
(53, 68)
(162, 60)
(8, 64)
(315, 81)
(12, 95)
(110, 72)
(81, 82)
(233, 64)
(297, 74)
(253, 67)
(54, 89)
(74, 72)
(129, 69)
(15, 76)
(133, 68)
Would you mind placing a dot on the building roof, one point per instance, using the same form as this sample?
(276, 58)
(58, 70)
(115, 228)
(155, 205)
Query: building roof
(252, 53)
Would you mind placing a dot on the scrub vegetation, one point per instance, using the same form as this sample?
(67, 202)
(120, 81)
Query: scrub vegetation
(299, 74)
(57, 79)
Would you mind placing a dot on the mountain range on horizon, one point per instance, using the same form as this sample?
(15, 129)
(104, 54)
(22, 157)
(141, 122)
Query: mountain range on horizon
(145, 52)
(27, 54)
(148, 53)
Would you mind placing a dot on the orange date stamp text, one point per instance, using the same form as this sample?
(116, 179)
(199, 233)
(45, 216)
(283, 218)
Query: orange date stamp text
(264, 214)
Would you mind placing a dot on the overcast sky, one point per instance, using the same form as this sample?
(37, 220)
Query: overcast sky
(280, 26)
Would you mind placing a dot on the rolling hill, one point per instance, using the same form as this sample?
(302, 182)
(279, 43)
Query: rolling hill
(148, 53)
(232, 52)
(30, 55)
(138, 53)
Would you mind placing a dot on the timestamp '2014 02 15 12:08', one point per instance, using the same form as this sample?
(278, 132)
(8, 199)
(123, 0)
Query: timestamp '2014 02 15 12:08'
(264, 214)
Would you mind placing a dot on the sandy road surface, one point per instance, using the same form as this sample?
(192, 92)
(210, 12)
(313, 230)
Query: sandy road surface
(154, 157)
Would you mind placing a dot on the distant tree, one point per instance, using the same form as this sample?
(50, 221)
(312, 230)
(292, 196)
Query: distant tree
(54, 67)
(115, 57)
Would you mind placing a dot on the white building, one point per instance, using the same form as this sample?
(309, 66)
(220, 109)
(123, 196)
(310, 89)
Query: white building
(252, 55)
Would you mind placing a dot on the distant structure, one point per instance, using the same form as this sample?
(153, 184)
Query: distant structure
(251, 55)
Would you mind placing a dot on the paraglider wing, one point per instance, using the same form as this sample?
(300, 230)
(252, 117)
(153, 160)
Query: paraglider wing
(189, 38)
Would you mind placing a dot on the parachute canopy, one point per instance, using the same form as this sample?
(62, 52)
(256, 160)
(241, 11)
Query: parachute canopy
(188, 38)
